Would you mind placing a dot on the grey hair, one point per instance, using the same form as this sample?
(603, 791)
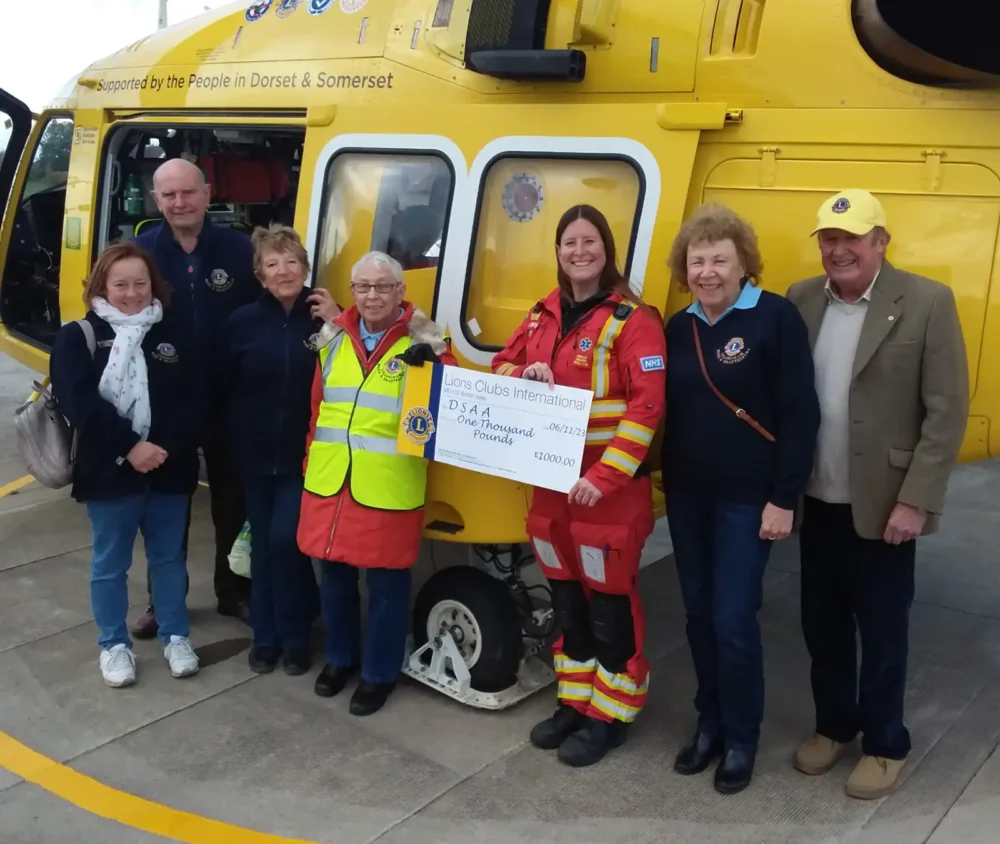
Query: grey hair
(380, 261)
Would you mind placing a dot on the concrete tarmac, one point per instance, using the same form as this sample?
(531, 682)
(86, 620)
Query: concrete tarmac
(232, 756)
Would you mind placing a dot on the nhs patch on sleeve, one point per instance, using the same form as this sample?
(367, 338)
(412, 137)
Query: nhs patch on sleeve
(653, 363)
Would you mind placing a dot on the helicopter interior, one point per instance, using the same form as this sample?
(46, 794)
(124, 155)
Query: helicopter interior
(254, 177)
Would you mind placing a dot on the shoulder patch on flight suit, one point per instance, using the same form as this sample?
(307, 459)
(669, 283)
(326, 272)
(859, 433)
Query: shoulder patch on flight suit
(624, 310)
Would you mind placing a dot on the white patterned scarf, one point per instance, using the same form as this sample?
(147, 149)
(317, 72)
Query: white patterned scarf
(125, 381)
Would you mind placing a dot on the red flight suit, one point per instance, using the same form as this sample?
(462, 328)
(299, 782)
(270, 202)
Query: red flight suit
(590, 555)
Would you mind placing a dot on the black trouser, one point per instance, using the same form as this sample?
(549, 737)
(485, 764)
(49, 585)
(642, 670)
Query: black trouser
(228, 515)
(848, 581)
(600, 626)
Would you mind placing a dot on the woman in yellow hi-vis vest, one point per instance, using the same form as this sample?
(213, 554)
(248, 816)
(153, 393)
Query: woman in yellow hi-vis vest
(362, 507)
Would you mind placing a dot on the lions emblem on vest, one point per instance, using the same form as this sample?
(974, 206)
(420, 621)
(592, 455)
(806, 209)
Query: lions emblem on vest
(165, 352)
(392, 370)
(733, 352)
(418, 425)
(220, 281)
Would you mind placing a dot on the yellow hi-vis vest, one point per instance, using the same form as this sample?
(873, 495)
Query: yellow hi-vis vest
(356, 432)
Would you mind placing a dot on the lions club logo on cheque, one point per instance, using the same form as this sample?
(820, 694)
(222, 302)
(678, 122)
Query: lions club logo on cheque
(418, 425)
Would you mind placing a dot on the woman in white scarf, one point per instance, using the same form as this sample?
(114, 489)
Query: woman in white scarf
(125, 381)
(136, 461)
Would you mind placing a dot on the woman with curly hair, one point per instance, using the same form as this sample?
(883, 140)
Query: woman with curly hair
(742, 421)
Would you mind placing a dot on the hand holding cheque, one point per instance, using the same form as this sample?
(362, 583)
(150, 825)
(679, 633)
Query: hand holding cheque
(529, 431)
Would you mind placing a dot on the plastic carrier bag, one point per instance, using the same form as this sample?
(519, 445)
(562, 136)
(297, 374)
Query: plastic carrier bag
(239, 557)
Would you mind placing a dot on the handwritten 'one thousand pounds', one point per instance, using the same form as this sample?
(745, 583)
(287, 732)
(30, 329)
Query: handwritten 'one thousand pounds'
(522, 430)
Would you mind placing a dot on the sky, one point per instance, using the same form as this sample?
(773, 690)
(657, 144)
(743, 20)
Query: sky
(44, 43)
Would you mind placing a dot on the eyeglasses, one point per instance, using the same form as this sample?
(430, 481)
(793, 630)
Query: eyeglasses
(381, 287)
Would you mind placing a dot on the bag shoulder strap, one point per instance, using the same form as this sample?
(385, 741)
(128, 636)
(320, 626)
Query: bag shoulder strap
(88, 333)
(739, 411)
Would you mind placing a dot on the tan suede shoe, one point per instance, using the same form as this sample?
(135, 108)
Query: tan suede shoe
(818, 754)
(873, 777)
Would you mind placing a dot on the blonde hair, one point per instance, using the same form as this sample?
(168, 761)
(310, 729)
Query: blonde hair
(713, 223)
(277, 238)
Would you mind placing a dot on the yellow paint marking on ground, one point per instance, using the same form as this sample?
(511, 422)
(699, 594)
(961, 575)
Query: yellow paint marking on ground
(114, 805)
(106, 802)
(14, 486)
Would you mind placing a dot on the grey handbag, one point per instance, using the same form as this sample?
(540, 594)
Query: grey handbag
(45, 439)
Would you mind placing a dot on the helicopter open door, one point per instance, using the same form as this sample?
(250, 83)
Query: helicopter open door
(34, 181)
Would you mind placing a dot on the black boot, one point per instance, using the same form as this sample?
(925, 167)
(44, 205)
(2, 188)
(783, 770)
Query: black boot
(264, 660)
(735, 771)
(369, 698)
(331, 681)
(591, 742)
(297, 661)
(697, 754)
(552, 732)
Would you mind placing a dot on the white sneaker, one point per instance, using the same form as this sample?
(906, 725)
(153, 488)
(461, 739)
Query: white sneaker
(181, 656)
(118, 666)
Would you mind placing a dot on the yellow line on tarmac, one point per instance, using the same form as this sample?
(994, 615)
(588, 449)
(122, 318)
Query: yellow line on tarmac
(106, 802)
(14, 486)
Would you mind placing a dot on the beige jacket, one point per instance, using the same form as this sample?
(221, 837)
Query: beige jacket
(909, 400)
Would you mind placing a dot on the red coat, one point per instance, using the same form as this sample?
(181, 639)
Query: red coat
(338, 528)
(624, 420)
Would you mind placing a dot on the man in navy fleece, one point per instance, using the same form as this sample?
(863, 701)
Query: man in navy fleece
(210, 270)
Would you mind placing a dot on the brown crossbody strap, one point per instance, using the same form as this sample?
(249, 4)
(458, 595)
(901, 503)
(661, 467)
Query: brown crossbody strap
(739, 411)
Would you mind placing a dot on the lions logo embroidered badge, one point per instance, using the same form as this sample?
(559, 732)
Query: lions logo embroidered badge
(392, 370)
(220, 281)
(166, 353)
(734, 351)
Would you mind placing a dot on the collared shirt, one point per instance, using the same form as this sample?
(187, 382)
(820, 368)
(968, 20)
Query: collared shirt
(833, 358)
(834, 296)
(748, 298)
(369, 338)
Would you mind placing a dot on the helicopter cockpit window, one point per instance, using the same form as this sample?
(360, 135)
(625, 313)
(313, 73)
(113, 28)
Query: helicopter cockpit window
(393, 203)
(29, 294)
(513, 259)
(6, 126)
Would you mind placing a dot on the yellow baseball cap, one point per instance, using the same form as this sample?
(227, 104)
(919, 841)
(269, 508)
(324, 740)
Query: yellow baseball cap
(854, 211)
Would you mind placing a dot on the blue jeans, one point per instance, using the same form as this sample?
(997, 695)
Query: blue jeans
(388, 619)
(115, 523)
(720, 562)
(284, 599)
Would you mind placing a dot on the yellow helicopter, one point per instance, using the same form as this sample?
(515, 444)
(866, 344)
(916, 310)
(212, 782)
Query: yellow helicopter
(454, 133)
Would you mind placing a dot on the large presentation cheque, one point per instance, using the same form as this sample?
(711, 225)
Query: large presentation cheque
(495, 424)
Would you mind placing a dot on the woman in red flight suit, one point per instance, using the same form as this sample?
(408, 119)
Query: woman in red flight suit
(593, 333)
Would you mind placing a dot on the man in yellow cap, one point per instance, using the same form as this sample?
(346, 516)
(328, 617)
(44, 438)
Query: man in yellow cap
(892, 377)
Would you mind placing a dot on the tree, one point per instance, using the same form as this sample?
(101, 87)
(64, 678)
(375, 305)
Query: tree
(55, 145)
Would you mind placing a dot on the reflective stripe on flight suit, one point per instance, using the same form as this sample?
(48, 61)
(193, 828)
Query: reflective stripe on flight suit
(603, 411)
(356, 431)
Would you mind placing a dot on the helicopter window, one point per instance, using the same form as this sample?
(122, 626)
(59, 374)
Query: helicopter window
(513, 259)
(6, 125)
(396, 203)
(29, 293)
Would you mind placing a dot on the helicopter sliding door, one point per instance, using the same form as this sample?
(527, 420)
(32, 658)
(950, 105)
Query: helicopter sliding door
(391, 193)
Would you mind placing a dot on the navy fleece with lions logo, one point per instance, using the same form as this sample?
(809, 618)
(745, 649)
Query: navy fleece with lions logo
(758, 356)
(207, 285)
